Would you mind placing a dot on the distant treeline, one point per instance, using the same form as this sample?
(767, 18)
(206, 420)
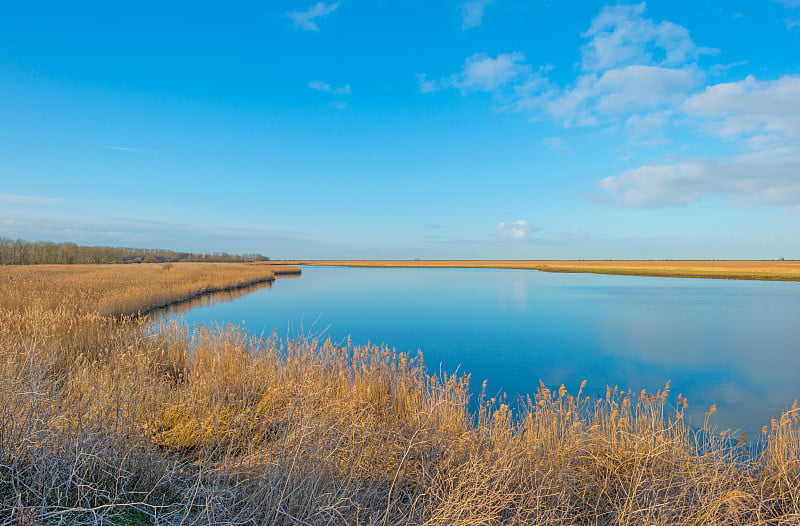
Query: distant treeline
(19, 252)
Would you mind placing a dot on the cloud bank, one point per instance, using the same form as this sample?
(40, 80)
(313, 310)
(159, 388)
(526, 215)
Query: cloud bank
(643, 76)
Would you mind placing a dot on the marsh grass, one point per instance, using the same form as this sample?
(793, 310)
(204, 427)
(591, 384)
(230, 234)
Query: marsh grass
(121, 420)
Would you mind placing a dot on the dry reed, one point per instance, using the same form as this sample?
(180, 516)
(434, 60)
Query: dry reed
(121, 420)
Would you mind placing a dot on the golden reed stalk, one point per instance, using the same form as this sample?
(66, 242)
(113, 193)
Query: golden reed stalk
(107, 418)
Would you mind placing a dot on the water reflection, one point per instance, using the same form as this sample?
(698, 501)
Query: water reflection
(515, 292)
(213, 298)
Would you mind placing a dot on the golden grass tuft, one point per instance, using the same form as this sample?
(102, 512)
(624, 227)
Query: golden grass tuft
(121, 420)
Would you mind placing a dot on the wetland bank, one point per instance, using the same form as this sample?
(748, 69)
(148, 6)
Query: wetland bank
(125, 419)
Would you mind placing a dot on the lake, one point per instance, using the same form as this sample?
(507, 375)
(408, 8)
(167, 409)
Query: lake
(725, 342)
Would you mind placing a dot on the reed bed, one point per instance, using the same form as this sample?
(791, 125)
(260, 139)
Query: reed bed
(108, 419)
(120, 290)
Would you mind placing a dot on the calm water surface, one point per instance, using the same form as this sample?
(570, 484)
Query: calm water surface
(733, 343)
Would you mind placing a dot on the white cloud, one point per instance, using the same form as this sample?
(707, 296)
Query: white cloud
(616, 92)
(642, 76)
(630, 65)
(517, 230)
(763, 116)
(638, 87)
(484, 73)
(472, 13)
(305, 20)
(746, 182)
(749, 107)
(621, 36)
(326, 88)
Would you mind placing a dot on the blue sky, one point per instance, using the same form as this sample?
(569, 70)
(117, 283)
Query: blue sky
(405, 128)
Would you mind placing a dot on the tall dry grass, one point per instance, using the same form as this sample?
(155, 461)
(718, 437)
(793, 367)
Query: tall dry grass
(118, 290)
(109, 420)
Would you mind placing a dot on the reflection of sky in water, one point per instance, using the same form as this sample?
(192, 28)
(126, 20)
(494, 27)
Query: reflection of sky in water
(733, 343)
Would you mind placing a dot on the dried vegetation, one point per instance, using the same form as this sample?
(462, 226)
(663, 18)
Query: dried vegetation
(112, 419)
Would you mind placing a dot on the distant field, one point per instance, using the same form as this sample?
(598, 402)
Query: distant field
(754, 270)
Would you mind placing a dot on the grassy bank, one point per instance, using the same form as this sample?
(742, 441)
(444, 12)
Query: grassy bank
(749, 270)
(116, 420)
(118, 290)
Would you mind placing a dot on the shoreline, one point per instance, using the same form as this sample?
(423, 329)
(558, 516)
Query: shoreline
(276, 274)
(130, 300)
(753, 270)
(172, 426)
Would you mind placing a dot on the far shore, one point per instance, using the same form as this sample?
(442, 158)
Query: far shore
(767, 270)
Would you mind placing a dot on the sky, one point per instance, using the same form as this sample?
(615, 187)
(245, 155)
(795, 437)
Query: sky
(479, 129)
